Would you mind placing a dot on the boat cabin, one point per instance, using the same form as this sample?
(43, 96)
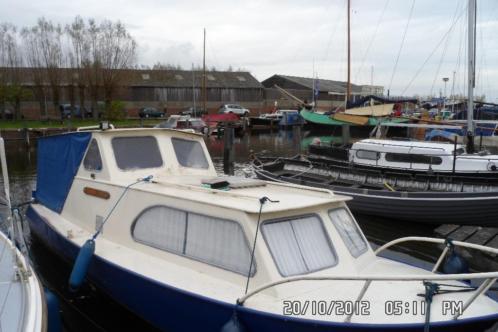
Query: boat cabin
(179, 221)
(420, 156)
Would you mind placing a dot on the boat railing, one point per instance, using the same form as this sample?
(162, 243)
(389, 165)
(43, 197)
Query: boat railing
(489, 277)
(96, 127)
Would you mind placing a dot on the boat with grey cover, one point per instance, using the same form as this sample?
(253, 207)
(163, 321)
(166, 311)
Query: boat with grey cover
(427, 199)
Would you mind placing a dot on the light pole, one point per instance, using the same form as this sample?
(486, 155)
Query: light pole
(445, 80)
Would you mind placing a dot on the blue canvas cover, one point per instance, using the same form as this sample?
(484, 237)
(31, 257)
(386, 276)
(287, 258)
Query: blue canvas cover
(448, 134)
(59, 158)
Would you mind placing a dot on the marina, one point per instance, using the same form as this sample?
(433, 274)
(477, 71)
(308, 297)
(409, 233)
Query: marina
(318, 182)
(284, 142)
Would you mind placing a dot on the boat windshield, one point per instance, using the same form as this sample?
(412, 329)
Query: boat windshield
(349, 231)
(299, 245)
(136, 152)
(189, 153)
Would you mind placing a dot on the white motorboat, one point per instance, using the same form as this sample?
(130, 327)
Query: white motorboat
(22, 302)
(148, 221)
(413, 156)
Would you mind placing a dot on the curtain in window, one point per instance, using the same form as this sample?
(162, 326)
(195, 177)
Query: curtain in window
(218, 242)
(299, 246)
(162, 227)
(284, 248)
(349, 232)
(313, 243)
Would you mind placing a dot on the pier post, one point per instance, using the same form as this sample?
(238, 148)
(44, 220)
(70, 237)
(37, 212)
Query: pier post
(297, 133)
(228, 136)
(26, 136)
(346, 134)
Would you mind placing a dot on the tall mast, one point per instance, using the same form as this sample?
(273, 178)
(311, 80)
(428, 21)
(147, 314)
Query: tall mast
(471, 75)
(193, 90)
(348, 89)
(204, 88)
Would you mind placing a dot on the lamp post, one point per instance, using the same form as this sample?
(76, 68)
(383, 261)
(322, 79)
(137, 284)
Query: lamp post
(445, 80)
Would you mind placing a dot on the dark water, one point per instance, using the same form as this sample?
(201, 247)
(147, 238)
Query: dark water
(90, 310)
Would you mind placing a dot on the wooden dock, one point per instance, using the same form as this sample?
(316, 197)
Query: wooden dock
(486, 236)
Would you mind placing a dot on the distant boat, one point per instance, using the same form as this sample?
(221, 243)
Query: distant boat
(409, 157)
(281, 117)
(184, 122)
(358, 125)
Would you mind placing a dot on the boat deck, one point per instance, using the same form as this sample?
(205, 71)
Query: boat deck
(20, 308)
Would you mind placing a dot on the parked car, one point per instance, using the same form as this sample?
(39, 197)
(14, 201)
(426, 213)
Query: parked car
(235, 109)
(65, 110)
(150, 112)
(197, 112)
(8, 114)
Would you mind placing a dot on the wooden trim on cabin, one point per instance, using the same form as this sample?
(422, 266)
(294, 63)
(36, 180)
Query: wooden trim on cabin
(96, 192)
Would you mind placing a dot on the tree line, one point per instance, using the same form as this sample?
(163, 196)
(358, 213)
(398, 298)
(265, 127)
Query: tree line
(84, 56)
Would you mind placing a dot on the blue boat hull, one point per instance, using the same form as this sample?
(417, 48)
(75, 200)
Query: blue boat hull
(172, 309)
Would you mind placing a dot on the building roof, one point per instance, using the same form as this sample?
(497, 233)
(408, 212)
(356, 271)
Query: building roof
(322, 84)
(187, 78)
(152, 78)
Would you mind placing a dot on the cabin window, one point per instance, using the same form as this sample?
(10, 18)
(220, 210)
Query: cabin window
(299, 245)
(214, 241)
(189, 153)
(136, 152)
(93, 161)
(349, 231)
(413, 158)
(365, 154)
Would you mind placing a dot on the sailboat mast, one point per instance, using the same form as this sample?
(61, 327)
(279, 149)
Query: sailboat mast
(193, 90)
(204, 92)
(348, 89)
(471, 75)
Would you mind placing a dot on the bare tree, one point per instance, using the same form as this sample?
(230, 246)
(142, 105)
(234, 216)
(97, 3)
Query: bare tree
(117, 53)
(33, 60)
(92, 65)
(50, 43)
(78, 55)
(11, 62)
(45, 56)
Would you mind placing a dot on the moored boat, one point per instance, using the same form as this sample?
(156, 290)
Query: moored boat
(425, 198)
(22, 297)
(281, 118)
(409, 158)
(187, 250)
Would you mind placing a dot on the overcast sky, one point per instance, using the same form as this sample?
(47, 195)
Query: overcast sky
(298, 38)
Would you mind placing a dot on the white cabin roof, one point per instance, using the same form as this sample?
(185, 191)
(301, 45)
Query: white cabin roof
(289, 196)
(383, 145)
(174, 180)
